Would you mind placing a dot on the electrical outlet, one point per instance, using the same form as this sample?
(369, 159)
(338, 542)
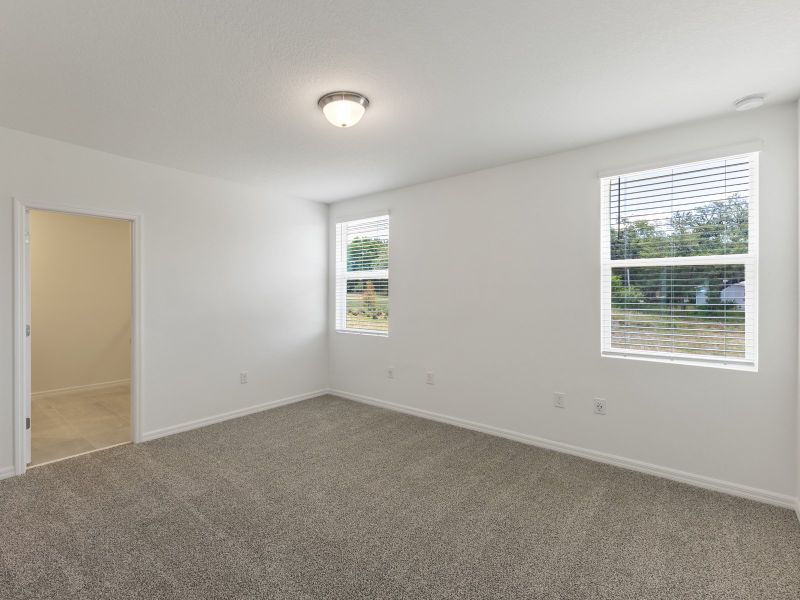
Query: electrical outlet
(243, 377)
(390, 372)
(559, 400)
(600, 406)
(429, 377)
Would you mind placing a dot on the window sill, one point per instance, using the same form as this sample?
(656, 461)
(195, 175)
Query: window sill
(683, 359)
(367, 332)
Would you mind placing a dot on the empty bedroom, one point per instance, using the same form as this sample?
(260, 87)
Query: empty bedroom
(403, 300)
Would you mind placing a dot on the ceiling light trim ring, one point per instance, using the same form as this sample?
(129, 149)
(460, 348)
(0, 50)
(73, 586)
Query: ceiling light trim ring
(350, 96)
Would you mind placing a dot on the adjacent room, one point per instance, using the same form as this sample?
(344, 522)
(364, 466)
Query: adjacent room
(441, 300)
(80, 315)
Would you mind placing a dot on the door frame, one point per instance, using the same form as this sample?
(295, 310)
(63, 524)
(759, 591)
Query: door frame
(22, 360)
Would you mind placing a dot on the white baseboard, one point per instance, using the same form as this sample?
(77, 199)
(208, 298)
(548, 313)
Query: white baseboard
(77, 388)
(797, 509)
(233, 414)
(709, 483)
(6, 472)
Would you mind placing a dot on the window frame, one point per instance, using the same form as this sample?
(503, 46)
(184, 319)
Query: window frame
(749, 260)
(342, 275)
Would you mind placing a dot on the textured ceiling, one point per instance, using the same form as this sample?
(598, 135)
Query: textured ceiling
(229, 88)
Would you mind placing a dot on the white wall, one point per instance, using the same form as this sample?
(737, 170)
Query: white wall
(80, 274)
(514, 253)
(220, 296)
(233, 279)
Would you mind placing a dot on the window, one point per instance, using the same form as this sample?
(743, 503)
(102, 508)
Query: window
(362, 275)
(679, 263)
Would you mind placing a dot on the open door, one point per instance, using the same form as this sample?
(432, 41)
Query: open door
(26, 384)
(122, 402)
(78, 348)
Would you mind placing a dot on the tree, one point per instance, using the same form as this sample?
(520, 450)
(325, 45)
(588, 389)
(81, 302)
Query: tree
(720, 227)
(638, 239)
(367, 254)
(370, 300)
(624, 296)
(714, 228)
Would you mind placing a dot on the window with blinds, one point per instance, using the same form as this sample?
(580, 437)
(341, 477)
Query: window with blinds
(679, 263)
(362, 275)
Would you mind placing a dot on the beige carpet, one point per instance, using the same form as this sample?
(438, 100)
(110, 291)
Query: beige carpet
(332, 499)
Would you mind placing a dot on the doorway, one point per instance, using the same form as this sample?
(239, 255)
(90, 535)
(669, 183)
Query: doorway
(76, 328)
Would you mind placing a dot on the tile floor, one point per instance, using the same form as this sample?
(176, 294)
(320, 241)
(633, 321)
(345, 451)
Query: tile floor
(67, 423)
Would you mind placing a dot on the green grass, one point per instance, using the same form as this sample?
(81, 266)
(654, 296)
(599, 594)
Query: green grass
(685, 332)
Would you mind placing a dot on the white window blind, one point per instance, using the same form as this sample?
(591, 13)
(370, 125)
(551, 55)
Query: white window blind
(679, 263)
(362, 275)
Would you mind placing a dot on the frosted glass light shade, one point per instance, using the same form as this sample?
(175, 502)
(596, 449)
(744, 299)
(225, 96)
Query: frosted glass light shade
(343, 109)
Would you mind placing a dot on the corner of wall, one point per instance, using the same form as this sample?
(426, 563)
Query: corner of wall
(328, 295)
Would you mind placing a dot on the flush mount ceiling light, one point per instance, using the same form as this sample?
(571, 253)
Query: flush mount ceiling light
(343, 109)
(749, 102)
